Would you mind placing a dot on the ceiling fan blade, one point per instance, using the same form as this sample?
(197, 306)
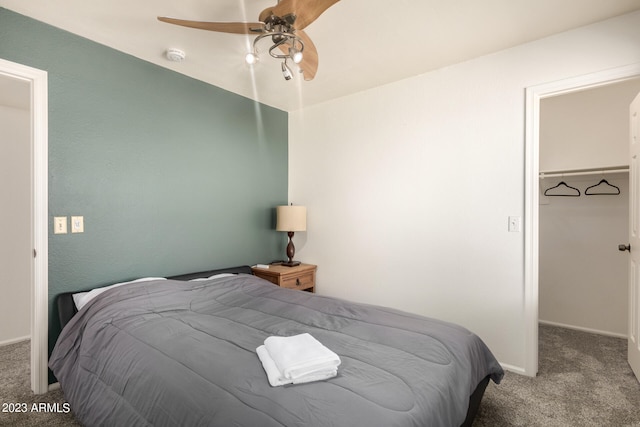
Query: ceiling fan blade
(309, 63)
(222, 27)
(306, 11)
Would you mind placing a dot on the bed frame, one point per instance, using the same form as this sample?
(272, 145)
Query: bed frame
(67, 309)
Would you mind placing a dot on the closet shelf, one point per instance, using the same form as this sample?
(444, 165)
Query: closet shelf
(579, 172)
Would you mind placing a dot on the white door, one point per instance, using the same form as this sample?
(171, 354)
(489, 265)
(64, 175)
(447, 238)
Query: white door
(634, 239)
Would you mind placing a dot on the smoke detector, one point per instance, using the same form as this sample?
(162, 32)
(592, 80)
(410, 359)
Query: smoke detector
(175, 55)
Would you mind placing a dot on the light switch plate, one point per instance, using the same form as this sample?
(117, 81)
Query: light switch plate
(515, 224)
(59, 225)
(77, 224)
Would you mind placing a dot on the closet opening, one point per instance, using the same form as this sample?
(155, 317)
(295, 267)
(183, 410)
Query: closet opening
(575, 276)
(584, 208)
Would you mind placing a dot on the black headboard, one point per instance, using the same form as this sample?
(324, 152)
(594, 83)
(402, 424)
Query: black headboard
(243, 269)
(67, 308)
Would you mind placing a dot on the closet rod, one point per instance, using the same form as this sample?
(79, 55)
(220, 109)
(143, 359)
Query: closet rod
(555, 174)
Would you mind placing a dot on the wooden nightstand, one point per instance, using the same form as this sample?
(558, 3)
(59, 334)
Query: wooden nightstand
(301, 277)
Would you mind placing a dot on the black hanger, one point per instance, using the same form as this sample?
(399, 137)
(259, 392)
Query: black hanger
(566, 187)
(609, 189)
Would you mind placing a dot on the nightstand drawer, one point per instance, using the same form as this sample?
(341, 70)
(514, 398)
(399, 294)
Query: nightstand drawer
(301, 277)
(302, 281)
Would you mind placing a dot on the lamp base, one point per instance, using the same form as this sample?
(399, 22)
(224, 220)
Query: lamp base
(291, 250)
(290, 263)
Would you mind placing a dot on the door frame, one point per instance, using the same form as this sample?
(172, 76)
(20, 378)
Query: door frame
(37, 80)
(534, 94)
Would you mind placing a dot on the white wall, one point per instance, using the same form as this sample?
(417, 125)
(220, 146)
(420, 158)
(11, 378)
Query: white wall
(409, 186)
(587, 129)
(583, 278)
(15, 244)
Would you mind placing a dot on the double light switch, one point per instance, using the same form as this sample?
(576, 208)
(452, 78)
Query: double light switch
(60, 224)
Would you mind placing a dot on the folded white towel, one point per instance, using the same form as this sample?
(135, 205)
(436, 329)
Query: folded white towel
(300, 355)
(277, 379)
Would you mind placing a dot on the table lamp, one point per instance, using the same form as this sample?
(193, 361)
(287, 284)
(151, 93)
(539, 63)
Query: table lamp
(291, 219)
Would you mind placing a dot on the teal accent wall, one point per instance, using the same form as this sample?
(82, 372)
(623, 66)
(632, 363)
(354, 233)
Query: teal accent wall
(172, 175)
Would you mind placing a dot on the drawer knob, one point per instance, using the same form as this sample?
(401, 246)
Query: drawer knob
(298, 283)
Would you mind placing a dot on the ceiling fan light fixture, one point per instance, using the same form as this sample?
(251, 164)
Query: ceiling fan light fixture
(295, 55)
(251, 58)
(283, 24)
(286, 71)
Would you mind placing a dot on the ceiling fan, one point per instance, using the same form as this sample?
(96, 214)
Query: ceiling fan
(284, 25)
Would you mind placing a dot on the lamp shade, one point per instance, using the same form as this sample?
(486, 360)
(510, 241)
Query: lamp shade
(291, 218)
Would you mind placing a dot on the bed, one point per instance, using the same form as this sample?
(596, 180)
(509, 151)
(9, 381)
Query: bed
(183, 352)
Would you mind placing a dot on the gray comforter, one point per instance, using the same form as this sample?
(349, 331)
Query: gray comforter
(170, 353)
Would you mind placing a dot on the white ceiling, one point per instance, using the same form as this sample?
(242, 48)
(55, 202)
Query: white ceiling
(361, 43)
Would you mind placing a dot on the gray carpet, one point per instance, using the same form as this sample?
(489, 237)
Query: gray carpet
(15, 387)
(584, 380)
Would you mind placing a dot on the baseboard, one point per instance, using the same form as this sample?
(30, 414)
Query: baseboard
(54, 386)
(582, 329)
(14, 340)
(515, 369)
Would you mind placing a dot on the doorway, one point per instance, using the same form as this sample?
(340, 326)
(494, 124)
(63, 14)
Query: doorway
(15, 246)
(584, 208)
(36, 81)
(534, 95)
